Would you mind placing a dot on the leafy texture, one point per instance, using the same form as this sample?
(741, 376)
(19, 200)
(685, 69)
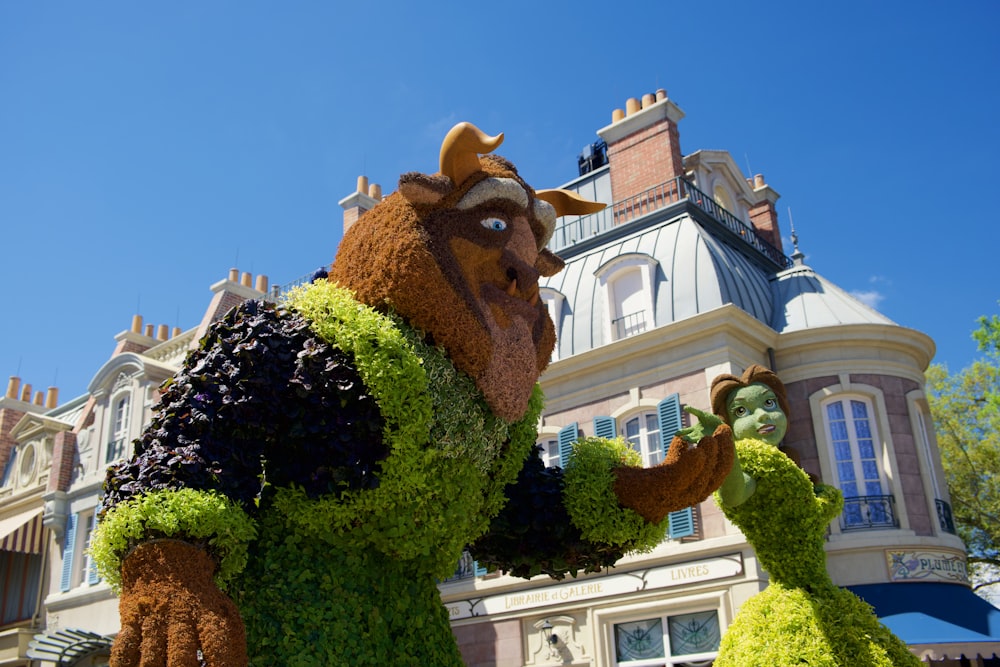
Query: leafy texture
(201, 517)
(591, 501)
(801, 618)
(966, 411)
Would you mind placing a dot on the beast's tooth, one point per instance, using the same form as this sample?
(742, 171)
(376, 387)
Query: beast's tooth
(512, 288)
(534, 299)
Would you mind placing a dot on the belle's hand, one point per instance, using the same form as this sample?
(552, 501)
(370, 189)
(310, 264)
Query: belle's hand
(173, 614)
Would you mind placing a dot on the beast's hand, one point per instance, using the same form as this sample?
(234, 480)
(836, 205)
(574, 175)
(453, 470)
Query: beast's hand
(173, 614)
(688, 474)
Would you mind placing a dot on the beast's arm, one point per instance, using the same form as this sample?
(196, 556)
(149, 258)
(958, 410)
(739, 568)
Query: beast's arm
(178, 514)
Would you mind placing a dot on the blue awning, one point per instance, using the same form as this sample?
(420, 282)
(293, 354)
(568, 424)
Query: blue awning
(932, 613)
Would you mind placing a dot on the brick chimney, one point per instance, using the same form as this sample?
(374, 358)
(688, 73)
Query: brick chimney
(363, 199)
(643, 144)
(763, 214)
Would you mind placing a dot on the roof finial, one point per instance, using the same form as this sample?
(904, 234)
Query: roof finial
(797, 256)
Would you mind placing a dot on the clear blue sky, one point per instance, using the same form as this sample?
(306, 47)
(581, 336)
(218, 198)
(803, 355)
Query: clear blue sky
(146, 148)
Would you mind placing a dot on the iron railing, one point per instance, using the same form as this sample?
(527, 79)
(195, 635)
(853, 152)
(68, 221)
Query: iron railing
(653, 199)
(867, 512)
(946, 521)
(629, 325)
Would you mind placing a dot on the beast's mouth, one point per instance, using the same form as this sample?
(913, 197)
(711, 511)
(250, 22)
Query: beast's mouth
(766, 429)
(510, 303)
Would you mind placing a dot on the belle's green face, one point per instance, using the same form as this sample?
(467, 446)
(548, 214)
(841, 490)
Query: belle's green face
(754, 413)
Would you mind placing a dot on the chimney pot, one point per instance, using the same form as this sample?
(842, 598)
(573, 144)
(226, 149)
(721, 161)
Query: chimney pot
(234, 275)
(52, 397)
(758, 181)
(375, 191)
(175, 332)
(617, 115)
(13, 385)
(661, 94)
(137, 324)
(161, 332)
(648, 100)
(261, 284)
(149, 331)
(631, 106)
(362, 184)
(246, 279)
(26, 393)
(39, 398)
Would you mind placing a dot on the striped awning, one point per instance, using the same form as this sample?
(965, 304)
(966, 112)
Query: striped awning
(22, 532)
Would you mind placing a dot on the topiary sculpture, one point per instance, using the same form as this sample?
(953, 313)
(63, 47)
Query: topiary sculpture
(325, 461)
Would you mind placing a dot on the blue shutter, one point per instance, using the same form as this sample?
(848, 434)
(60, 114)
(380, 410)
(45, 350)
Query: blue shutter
(668, 413)
(69, 542)
(681, 523)
(92, 576)
(604, 427)
(567, 436)
(477, 569)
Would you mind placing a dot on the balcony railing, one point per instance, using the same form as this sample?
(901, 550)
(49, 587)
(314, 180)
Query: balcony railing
(653, 199)
(629, 325)
(868, 512)
(945, 519)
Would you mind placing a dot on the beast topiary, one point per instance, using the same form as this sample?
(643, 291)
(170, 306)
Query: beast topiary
(353, 440)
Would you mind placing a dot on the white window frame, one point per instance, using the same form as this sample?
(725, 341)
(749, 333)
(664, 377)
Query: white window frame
(645, 441)
(120, 411)
(553, 301)
(885, 451)
(550, 450)
(616, 269)
(606, 619)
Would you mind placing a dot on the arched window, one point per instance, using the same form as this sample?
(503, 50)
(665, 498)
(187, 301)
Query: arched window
(642, 432)
(628, 284)
(118, 432)
(856, 452)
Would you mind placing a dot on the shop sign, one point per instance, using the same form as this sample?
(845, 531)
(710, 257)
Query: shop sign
(619, 584)
(926, 566)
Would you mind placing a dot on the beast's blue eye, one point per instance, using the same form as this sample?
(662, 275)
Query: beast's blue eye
(494, 224)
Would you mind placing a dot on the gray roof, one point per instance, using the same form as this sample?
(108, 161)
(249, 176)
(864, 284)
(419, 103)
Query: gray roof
(806, 300)
(695, 272)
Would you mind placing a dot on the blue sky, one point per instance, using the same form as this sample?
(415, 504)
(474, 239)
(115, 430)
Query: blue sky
(147, 148)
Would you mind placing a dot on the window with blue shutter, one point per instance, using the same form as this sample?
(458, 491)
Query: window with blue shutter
(478, 570)
(69, 546)
(92, 576)
(567, 436)
(604, 427)
(668, 411)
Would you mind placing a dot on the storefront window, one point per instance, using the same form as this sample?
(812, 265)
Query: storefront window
(680, 640)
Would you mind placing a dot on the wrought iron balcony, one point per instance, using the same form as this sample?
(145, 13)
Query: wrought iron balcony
(585, 227)
(868, 512)
(629, 325)
(944, 516)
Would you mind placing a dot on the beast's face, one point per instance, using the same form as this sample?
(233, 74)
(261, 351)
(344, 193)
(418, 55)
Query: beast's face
(462, 263)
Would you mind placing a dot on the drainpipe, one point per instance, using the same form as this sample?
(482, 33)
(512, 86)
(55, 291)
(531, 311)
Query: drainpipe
(770, 359)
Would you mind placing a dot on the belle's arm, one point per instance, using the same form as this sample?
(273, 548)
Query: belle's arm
(738, 486)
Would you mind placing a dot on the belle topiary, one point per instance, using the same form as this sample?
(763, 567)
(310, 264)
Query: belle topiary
(801, 618)
(325, 461)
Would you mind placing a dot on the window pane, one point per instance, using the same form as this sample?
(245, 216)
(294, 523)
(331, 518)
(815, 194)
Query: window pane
(870, 469)
(835, 411)
(694, 633)
(859, 410)
(845, 471)
(867, 449)
(639, 640)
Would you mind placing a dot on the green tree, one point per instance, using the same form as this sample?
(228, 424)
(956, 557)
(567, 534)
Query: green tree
(966, 411)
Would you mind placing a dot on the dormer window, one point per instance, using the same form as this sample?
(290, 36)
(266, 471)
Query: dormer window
(628, 283)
